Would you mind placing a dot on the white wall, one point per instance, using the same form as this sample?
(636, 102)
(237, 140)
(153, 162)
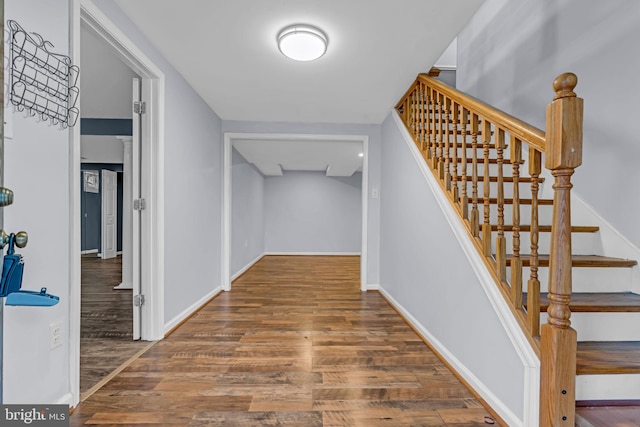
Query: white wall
(247, 213)
(106, 81)
(193, 182)
(101, 149)
(37, 170)
(510, 53)
(373, 132)
(427, 271)
(311, 212)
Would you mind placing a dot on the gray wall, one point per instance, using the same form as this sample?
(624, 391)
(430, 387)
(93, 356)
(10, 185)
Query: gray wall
(193, 182)
(311, 212)
(424, 268)
(373, 132)
(509, 54)
(247, 213)
(36, 164)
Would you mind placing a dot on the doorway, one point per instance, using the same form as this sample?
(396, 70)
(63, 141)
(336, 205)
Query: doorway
(360, 141)
(149, 201)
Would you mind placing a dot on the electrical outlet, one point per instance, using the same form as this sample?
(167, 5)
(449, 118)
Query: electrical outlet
(55, 335)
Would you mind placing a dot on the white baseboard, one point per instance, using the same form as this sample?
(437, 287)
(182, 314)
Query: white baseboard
(124, 286)
(315, 253)
(373, 287)
(246, 267)
(191, 309)
(89, 251)
(507, 415)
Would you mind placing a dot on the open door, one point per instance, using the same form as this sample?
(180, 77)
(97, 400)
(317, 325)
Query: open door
(138, 205)
(109, 214)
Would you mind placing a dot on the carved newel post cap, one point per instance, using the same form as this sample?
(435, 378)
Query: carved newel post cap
(564, 84)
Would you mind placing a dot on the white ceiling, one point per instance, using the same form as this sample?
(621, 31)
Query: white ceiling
(226, 50)
(273, 157)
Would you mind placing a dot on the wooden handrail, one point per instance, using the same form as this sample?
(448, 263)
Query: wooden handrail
(523, 130)
(442, 121)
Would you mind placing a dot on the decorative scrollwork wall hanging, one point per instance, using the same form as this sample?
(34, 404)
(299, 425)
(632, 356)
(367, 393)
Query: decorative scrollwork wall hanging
(42, 83)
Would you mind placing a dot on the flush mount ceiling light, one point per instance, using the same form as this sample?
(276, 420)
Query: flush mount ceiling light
(302, 42)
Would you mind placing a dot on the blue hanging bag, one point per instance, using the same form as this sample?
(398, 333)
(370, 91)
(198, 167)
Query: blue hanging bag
(12, 269)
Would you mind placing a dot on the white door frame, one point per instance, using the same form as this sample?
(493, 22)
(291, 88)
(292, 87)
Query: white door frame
(153, 90)
(226, 216)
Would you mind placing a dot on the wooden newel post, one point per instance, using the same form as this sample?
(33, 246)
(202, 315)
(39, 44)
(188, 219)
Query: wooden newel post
(558, 340)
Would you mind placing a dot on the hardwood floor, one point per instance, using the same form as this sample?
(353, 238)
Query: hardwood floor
(295, 343)
(106, 334)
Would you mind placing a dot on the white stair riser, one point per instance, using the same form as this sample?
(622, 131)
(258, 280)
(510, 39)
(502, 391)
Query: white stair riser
(604, 326)
(589, 279)
(608, 387)
(582, 243)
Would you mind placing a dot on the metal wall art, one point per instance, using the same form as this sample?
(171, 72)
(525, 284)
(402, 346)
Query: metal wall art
(42, 83)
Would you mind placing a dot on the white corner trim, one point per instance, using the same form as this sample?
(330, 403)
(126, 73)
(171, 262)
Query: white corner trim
(503, 410)
(520, 342)
(67, 399)
(191, 309)
(248, 266)
(314, 253)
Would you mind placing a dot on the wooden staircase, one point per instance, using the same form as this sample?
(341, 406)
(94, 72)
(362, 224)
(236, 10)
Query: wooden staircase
(479, 155)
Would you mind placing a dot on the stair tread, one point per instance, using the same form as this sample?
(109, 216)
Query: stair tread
(608, 357)
(581, 261)
(593, 302)
(547, 228)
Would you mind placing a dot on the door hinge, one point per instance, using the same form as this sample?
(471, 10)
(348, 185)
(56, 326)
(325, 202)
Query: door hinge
(139, 107)
(139, 205)
(138, 300)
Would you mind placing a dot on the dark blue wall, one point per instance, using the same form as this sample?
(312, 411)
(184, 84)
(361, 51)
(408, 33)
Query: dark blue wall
(91, 208)
(91, 203)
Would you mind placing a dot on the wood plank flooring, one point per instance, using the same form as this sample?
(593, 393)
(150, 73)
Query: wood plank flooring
(106, 333)
(295, 343)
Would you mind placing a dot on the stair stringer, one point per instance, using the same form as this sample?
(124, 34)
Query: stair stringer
(450, 341)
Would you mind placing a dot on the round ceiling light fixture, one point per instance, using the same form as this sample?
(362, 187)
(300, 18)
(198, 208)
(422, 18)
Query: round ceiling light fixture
(302, 42)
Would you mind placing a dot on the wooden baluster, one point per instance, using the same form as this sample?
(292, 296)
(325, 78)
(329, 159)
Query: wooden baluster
(501, 242)
(516, 262)
(447, 144)
(533, 285)
(454, 171)
(414, 114)
(433, 130)
(423, 101)
(558, 340)
(440, 151)
(475, 214)
(486, 185)
(464, 203)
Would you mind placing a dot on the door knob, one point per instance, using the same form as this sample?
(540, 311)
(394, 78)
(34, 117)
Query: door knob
(6, 197)
(20, 238)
